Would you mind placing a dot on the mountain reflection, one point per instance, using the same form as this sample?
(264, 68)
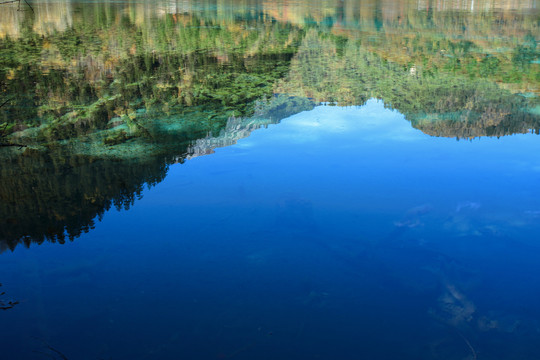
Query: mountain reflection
(107, 94)
(442, 104)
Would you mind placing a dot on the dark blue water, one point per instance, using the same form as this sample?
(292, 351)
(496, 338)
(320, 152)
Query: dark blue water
(340, 233)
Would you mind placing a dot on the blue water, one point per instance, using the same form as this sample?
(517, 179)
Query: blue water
(340, 233)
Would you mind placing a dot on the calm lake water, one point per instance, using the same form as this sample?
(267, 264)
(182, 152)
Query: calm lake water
(270, 180)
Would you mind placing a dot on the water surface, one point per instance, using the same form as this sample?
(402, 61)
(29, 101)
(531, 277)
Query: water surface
(256, 180)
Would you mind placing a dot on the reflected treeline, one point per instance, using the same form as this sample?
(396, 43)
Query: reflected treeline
(105, 95)
(57, 196)
(75, 82)
(442, 104)
(482, 39)
(98, 66)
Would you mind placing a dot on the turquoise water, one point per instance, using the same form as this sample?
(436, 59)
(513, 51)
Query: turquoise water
(320, 208)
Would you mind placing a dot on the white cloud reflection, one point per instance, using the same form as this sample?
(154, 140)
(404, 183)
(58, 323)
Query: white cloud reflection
(368, 123)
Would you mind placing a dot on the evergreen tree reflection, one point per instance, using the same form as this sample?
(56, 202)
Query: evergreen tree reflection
(89, 87)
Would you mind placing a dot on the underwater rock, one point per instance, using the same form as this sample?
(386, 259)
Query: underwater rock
(117, 137)
(454, 308)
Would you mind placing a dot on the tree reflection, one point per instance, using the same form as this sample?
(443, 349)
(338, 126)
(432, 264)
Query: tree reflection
(56, 196)
(89, 88)
(442, 104)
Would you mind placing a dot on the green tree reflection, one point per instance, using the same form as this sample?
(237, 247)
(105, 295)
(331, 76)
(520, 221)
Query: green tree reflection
(106, 95)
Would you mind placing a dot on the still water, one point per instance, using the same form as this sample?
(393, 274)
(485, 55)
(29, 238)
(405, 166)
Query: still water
(269, 180)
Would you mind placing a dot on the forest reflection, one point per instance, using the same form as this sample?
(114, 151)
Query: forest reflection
(56, 196)
(89, 87)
